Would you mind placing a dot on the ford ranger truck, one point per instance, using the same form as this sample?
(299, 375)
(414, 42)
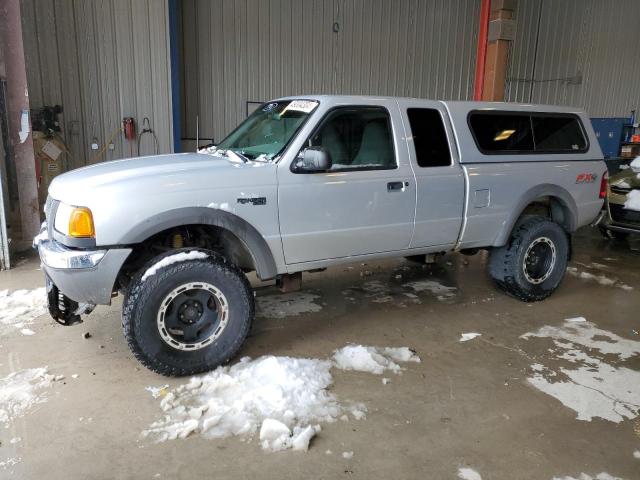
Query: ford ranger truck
(306, 183)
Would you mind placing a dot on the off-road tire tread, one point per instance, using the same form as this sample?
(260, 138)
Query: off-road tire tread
(503, 262)
(137, 292)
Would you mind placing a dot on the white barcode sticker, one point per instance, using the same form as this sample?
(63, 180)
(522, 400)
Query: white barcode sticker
(305, 106)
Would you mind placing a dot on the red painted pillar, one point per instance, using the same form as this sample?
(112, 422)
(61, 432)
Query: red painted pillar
(481, 55)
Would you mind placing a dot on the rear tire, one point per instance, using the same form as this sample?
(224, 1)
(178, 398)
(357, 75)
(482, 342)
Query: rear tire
(189, 316)
(532, 264)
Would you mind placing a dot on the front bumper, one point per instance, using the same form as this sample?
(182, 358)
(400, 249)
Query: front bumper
(85, 276)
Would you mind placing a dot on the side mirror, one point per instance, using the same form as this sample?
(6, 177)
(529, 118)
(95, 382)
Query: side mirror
(314, 159)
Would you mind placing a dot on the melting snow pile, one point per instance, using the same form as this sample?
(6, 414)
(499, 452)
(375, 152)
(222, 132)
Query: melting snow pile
(468, 474)
(593, 387)
(282, 398)
(373, 359)
(21, 390)
(19, 308)
(171, 259)
(633, 200)
(601, 279)
(287, 305)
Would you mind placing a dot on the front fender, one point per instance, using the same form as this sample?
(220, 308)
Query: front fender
(262, 256)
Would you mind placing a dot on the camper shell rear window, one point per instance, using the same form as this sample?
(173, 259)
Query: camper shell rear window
(502, 132)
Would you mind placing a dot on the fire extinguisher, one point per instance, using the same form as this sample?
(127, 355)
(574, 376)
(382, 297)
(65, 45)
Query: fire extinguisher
(129, 127)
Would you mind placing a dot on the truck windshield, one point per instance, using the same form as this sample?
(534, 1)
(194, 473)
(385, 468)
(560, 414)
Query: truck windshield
(269, 129)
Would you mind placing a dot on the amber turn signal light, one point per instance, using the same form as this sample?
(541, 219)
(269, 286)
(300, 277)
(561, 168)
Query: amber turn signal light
(81, 223)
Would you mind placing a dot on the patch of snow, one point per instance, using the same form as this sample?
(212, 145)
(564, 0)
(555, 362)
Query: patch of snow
(287, 304)
(466, 473)
(9, 462)
(372, 359)
(633, 200)
(275, 436)
(75, 375)
(601, 279)
(442, 292)
(27, 331)
(21, 307)
(19, 391)
(465, 337)
(15, 440)
(238, 400)
(584, 476)
(347, 455)
(576, 320)
(636, 454)
(385, 381)
(594, 388)
(157, 392)
(171, 259)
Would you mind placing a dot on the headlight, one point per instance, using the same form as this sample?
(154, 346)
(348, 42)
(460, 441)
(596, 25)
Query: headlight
(74, 221)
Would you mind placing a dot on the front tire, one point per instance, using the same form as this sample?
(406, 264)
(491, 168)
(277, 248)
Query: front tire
(190, 315)
(532, 264)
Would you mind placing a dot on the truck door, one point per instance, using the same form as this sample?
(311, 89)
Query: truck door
(439, 178)
(365, 203)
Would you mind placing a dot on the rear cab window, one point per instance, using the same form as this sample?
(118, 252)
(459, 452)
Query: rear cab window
(527, 132)
(429, 137)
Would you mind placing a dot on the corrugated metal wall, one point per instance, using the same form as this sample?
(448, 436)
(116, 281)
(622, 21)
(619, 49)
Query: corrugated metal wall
(102, 61)
(236, 51)
(595, 39)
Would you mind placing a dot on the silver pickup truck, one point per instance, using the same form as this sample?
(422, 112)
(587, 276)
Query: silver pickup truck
(305, 183)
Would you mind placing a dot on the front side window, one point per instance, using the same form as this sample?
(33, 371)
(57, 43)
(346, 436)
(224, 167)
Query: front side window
(497, 133)
(357, 138)
(429, 137)
(268, 129)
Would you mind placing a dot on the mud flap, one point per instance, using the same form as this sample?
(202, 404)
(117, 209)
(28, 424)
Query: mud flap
(61, 308)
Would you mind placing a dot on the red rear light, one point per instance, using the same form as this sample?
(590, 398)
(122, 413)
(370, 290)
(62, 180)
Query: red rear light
(604, 185)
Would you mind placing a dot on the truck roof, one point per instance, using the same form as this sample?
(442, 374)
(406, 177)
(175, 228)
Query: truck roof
(452, 104)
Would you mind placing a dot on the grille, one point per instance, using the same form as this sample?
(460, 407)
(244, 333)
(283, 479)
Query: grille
(622, 215)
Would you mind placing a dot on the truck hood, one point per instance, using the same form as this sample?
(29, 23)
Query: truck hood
(161, 173)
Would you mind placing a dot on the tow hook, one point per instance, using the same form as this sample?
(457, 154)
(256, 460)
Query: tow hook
(62, 309)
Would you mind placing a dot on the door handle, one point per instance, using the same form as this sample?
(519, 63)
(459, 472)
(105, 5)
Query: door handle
(396, 186)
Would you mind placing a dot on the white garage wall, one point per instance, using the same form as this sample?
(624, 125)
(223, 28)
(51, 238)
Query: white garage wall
(595, 38)
(236, 51)
(102, 61)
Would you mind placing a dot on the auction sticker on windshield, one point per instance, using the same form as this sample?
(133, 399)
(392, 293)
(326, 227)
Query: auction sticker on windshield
(305, 106)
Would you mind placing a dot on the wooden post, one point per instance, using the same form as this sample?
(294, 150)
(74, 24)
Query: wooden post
(501, 32)
(19, 117)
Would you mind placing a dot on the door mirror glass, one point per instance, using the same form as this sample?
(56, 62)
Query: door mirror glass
(314, 159)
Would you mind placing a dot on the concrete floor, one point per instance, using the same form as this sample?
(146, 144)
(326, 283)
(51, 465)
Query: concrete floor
(466, 404)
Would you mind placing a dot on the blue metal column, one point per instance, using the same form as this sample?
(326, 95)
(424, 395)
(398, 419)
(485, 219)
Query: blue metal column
(175, 73)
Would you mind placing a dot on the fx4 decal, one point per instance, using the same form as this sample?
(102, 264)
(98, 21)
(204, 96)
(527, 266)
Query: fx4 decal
(586, 178)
